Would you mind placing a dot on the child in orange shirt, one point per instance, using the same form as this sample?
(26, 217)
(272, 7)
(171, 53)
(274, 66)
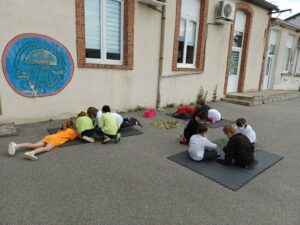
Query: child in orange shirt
(66, 133)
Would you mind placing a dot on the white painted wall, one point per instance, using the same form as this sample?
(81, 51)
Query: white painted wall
(89, 87)
(120, 88)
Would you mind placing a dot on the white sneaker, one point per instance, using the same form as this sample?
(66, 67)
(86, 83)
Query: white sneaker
(30, 155)
(12, 147)
(88, 139)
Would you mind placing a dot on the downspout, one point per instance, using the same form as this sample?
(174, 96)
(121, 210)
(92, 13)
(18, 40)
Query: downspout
(161, 56)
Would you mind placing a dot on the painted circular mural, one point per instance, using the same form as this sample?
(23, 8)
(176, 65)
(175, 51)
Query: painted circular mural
(35, 65)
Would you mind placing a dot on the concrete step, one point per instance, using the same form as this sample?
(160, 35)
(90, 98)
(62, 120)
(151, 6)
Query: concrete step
(240, 97)
(237, 101)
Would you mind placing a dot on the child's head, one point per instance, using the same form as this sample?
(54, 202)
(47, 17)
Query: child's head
(67, 124)
(241, 122)
(92, 112)
(201, 117)
(105, 109)
(81, 114)
(202, 129)
(229, 130)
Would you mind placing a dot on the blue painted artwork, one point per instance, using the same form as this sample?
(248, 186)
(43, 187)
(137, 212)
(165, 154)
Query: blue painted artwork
(36, 65)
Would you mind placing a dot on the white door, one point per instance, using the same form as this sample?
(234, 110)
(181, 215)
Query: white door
(269, 60)
(236, 52)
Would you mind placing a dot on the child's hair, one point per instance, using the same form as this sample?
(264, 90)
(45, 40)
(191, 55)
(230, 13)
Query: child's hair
(92, 111)
(229, 129)
(240, 122)
(105, 109)
(202, 129)
(81, 114)
(202, 115)
(67, 124)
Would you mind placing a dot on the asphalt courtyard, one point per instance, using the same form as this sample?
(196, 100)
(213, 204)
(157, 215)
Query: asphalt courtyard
(133, 182)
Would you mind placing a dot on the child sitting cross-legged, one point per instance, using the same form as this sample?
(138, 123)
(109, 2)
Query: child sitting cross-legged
(192, 126)
(200, 148)
(85, 127)
(66, 133)
(246, 129)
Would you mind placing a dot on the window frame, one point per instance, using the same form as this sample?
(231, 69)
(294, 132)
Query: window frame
(200, 41)
(127, 39)
(287, 61)
(187, 20)
(103, 44)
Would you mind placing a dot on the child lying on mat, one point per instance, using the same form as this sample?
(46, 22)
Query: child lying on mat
(184, 112)
(66, 133)
(200, 148)
(239, 150)
(191, 127)
(213, 115)
(246, 129)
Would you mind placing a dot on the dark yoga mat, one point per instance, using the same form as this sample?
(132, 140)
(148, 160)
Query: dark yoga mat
(125, 132)
(229, 176)
(221, 123)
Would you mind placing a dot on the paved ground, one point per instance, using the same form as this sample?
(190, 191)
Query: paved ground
(133, 183)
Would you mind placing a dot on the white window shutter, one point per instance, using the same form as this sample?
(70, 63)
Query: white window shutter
(92, 24)
(113, 26)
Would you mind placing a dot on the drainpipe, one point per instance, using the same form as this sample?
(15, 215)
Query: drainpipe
(161, 55)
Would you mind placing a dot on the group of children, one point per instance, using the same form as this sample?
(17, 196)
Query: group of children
(239, 149)
(104, 124)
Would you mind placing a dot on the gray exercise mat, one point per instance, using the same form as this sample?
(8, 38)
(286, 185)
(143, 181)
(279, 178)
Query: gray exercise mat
(229, 176)
(218, 124)
(125, 132)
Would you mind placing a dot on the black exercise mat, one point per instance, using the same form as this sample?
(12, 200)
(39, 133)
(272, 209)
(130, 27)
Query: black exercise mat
(125, 132)
(229, 176)
(218, 124)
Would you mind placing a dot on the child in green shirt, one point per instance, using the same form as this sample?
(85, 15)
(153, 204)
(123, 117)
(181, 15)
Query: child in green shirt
(108, 126)
(85, 127)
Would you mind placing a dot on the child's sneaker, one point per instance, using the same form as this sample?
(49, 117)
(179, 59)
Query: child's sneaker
(12, 147)
(118, 138)
(88, 139)
(136, 121)
(30, 155)
(106, 140)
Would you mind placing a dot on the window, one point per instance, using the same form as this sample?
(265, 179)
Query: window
(104, 31)
(188, 32)
(190, 29)
(288, 54)
(287, 59)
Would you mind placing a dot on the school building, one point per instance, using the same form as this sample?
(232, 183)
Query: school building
(62, 56)
(282, 68)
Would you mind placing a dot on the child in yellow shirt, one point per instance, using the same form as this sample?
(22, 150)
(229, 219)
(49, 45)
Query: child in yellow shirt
(66, 133)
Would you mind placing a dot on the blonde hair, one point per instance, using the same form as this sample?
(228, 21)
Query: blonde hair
(229, 129)
(67, 124)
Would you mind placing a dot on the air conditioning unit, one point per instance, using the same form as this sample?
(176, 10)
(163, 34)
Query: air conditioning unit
(225, 12)
(156, 3)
